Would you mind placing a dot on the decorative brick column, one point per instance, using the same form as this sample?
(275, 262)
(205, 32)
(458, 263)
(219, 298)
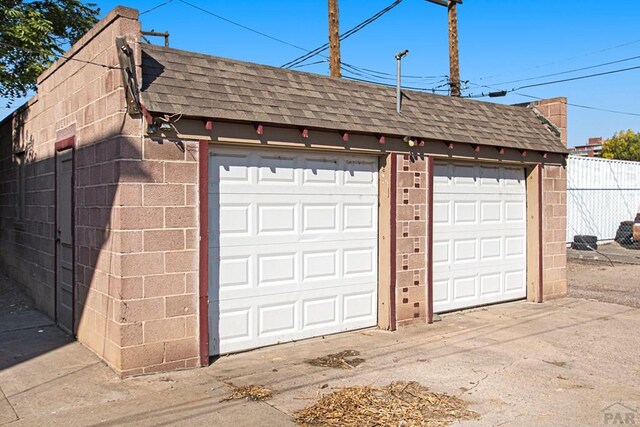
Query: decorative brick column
(411, 240)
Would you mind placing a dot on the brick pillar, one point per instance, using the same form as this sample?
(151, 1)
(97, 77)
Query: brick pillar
(554, 214)
(555, 110)
(411, 211)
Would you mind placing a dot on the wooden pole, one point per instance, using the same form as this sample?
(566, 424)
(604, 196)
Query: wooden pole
(334, 39)
(454, 63)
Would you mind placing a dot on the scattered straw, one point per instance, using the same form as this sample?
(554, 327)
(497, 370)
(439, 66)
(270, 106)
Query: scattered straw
(249, 392)
(398, 404)
(338, 360)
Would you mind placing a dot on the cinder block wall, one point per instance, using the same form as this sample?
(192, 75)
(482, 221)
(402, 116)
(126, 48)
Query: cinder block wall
(27, 247)
(554, 224)
(555, 109)
(75, 98)
(554, 206)
(155, 313)
(411, 234)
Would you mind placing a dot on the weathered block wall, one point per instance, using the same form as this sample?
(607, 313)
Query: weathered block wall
(411, 235)
(555, 109)
(554, 231)
(81, 97)
(27, 245)
(155, 310)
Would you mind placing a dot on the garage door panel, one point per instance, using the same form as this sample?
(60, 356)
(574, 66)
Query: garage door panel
(293, 246)
(264, 271)
(320, 312)
(320, 217)
(450, 270)
(277, 318)
(359, 307)
(479, 232)
(467, 178)
(324, 218)
(279, 173)
(465, 288)
(490, 284)
(465, 251)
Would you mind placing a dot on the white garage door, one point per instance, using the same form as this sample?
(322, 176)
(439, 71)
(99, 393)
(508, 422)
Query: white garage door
(479, 235)
(292, 244)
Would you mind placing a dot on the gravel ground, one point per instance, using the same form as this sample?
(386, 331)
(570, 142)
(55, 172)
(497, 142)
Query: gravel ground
(599, 280)
(13, 299)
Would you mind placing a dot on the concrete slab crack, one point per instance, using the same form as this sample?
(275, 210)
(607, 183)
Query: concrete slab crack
(3, 398)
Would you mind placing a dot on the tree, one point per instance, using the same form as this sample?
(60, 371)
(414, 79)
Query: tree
(623, 145)
(33, 34)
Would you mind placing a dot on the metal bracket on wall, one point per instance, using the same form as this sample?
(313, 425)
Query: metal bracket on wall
(129, 80)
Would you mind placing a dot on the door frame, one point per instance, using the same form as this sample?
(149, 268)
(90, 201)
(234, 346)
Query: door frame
(68, 143)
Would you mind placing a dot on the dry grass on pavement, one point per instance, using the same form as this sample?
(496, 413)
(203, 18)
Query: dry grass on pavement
(403, 404)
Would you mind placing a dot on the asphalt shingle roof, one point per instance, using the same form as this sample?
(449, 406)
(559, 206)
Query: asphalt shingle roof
(197, 85)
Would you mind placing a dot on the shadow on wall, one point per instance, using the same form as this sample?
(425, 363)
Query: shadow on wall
(28, 224)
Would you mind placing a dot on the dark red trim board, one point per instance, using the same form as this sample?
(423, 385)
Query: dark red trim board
(393, 172)
(203, 279)
(429, 247)
(66, 143)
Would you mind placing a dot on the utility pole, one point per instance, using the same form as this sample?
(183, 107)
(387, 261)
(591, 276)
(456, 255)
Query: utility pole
(454, 61)
(334, 40)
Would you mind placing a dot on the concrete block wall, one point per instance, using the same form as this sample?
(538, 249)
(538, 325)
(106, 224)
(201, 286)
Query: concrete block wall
(411, 234)
(74, 98)
(555, 110)
(554, 231)
(82, 97)
(27, 244)
(155, 323)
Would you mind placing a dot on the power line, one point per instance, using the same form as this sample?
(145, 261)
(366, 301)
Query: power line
(606, 49)
(69, 58)
(577, 78)
(504, 92)
(421, 89)
(155, 7)
(308, 64)
(586, 106)
(570, 71)
(284, 41)
(343, 36)
(243, 26)
(387, 77)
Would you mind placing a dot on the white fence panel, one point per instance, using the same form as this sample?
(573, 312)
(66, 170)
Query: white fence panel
(601, 193)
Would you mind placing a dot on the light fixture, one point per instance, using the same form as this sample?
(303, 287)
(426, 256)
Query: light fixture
(411, 142)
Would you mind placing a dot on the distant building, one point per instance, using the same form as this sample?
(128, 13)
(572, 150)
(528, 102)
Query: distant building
(592, 149)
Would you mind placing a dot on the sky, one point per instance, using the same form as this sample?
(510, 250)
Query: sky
(499, 41)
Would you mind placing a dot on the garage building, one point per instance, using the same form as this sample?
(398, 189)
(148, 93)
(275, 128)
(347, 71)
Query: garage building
(199, 206)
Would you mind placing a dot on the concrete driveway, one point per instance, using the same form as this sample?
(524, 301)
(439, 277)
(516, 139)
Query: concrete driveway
(559, 363)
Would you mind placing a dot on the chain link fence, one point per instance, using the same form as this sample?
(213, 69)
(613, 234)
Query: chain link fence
(603, 205)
